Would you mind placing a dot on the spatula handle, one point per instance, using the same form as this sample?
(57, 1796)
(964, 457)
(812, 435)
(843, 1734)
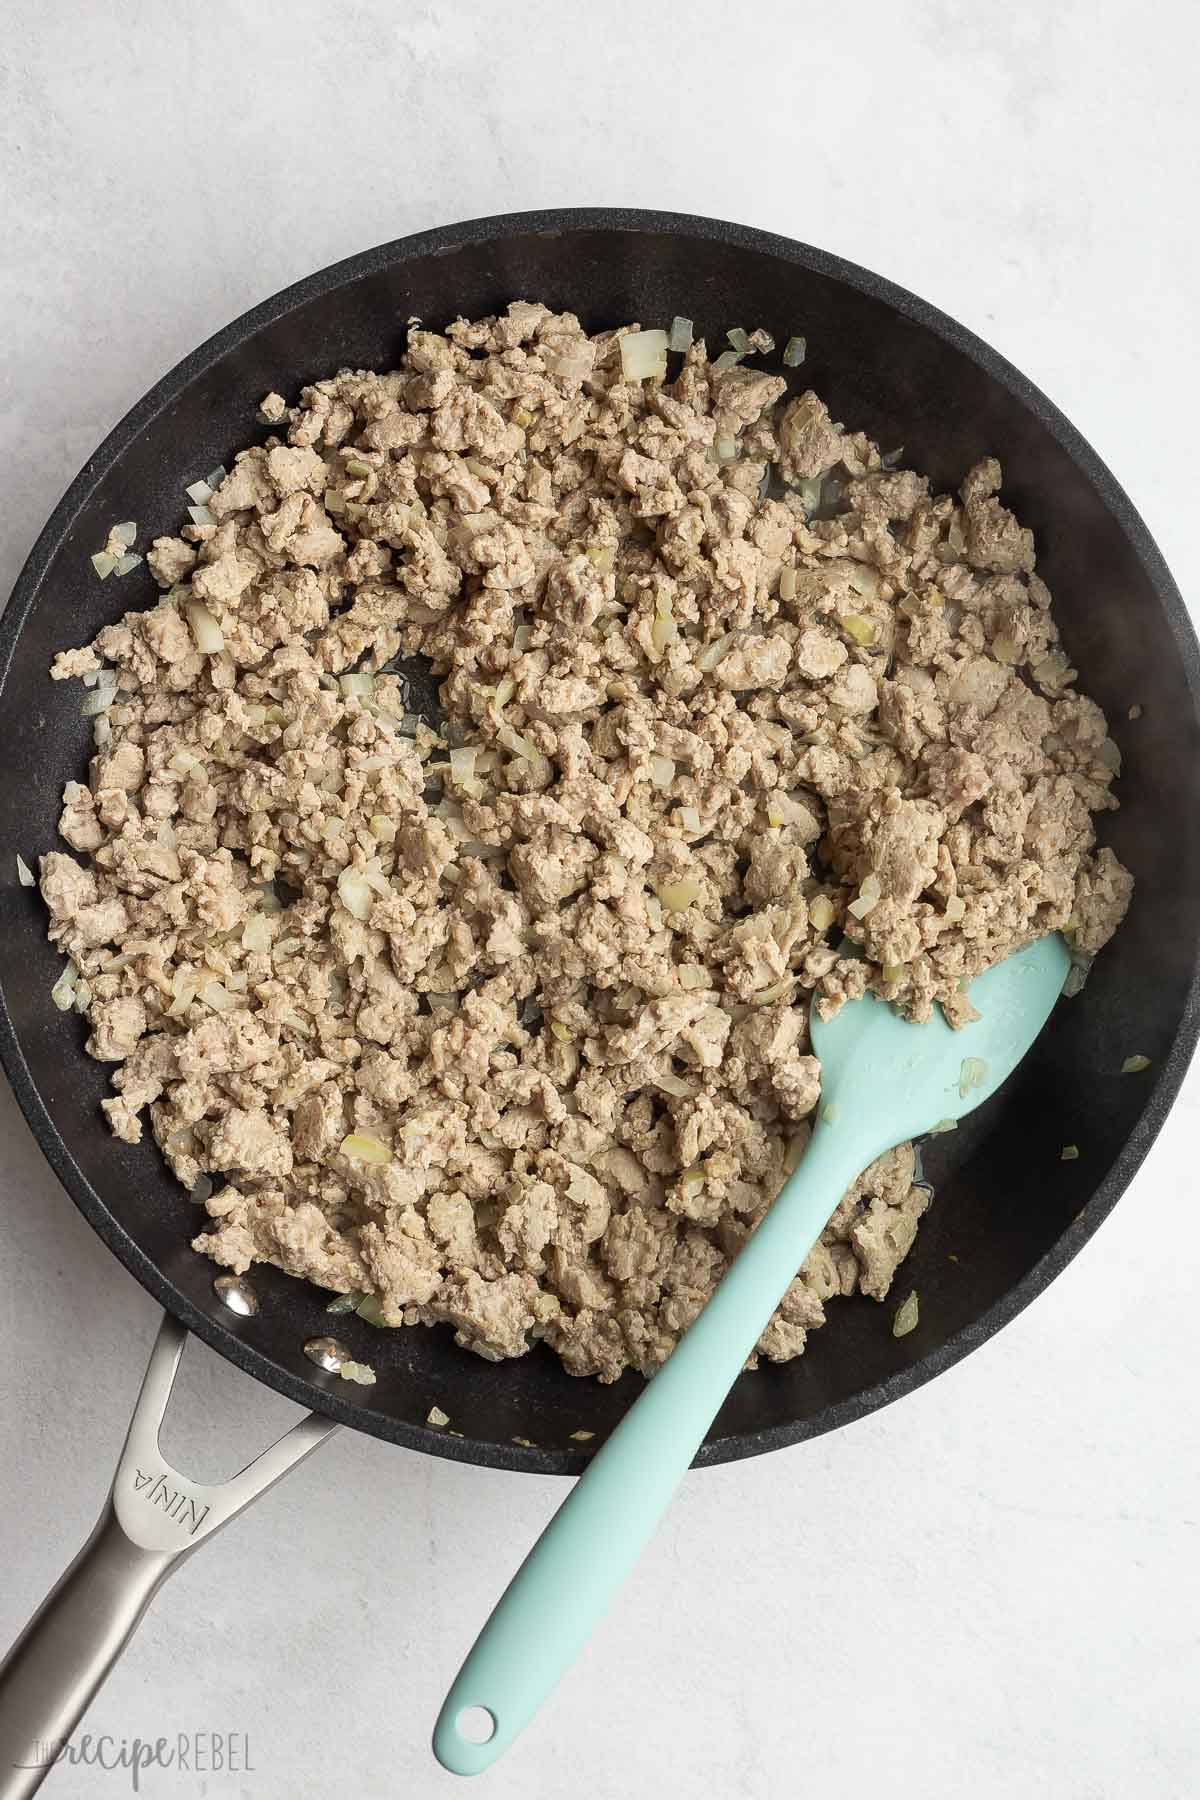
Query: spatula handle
(571, 1575)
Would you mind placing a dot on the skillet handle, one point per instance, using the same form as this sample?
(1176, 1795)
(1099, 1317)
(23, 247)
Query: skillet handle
(153, 1518)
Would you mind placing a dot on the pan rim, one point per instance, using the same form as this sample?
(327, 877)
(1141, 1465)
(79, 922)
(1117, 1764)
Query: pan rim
(445, 239)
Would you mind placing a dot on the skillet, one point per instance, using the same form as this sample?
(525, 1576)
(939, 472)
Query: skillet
(1010, 1211)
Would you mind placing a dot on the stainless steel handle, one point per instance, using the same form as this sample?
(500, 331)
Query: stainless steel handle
(153, 1518)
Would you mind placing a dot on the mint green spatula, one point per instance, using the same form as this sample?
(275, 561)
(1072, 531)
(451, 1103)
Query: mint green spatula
(883, 1080)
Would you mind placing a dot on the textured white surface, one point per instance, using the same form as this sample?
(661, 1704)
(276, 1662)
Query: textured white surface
(990, 1588)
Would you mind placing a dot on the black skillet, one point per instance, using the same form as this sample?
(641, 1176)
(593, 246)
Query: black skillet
(1012, 1213)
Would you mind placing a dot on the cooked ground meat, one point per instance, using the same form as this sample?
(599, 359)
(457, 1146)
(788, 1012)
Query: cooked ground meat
(504, 1027)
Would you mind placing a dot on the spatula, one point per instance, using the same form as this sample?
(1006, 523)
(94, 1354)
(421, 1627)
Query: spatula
(883, 1080)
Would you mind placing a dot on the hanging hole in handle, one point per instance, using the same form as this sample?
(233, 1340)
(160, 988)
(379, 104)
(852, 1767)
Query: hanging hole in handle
(475, 1725)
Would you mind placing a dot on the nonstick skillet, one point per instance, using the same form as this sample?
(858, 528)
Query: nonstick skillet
(1011, 1212)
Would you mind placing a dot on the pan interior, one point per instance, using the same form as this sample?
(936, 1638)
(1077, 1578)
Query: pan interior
(1007, 1212)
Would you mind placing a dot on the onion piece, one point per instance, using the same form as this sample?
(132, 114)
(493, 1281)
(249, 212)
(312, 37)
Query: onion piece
(820, 913)
(644, 355)
(856, 626)
(677, 896)
(726, 449)
(129, 561)
(98, 701)
(956, 908)
(787, 583)
(865, 581)
(689, 818)
(354, 892)
(210, 639)
(712, 654)
(356, 684)
(1133, 1065)
(869, 896)
(361, 1146)
(63, 991)
(777, 991)
(104, 564)
(200, 515)
(124, 533)
(200, 492)
(217, 996)
(662, 770)
(514, 741)
(681, 334)
(728, 359)
(693, 975)
(672, 1084)
(24, 872)
(740, 340)
(907, 1317)
(794, 352)
(216, 476)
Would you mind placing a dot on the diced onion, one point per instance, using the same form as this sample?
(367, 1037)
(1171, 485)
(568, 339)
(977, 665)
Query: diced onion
(677, 896)
(24, 872)
(98, 701)
(104, 564)
(956, 908)
(861, 629)
(201, 1189)
(670, 1083)
(63, 991)
(907, 1317)
(561, 1032)
(199, 492)
(693, 975)
(182, 992)
(662, 770)
(83, 996)
(692, 1181)
(522, 638)
(726, 449)
(820, 913)
(256, 934)
(1053, 670)
(1069, 1153)
(1006, 649)
(865, 581)
(711, 656)
(101, 732)
(767, 996)
(972, 1074)
(129, 561)
(216, 476)
(357, 684)
(218, 997)
(794, 352)
(124, 533)
(689, 818)
(787, 583)
(681, 333)
(361, 1146)
(1133, 1065)
(166, 836)
(644, 355)
(354, 892)
(869, 896)
(200, 515)
(210, 639)
(514, 741)
(728, 359)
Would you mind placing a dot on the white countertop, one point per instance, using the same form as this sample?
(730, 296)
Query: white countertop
(981, 1590)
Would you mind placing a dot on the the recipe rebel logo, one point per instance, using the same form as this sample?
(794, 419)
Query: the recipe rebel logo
(200, 1753)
